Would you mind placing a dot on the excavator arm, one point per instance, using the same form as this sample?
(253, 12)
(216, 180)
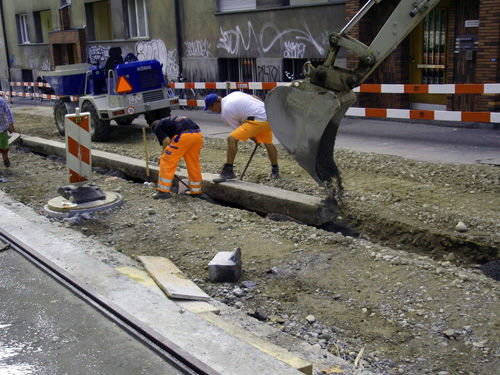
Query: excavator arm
(305, 115)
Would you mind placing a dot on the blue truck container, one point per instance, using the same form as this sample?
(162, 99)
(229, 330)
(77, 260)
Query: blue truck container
(68, 79)
(142, 75)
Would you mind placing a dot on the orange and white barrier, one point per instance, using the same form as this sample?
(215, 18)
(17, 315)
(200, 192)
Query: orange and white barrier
(418, 114)
(78, 152)
(466, 88)
(30, 84)
(34, 95)
(409, 114)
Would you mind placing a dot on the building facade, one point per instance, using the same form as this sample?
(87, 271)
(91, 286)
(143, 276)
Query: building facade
(252, 40)
(458, 42)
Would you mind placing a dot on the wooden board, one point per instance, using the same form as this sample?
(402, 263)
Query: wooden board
(142, 277)
(171, 279)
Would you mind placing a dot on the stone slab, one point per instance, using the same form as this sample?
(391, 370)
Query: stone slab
(256, 197)
(210, 345)
(142, 277)
(276, 351)
(171, 279)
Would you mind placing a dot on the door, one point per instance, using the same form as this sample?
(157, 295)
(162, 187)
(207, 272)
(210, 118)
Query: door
(428, 49)
(466, 30)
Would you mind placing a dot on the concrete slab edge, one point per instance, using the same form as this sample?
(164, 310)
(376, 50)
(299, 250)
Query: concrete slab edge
(256, 197)
(208, 344)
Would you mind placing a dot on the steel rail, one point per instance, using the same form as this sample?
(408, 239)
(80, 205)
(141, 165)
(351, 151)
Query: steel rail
(169, 351)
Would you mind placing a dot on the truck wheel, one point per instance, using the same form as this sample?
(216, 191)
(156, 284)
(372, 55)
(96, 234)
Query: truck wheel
(100, 130)
(152, 116)
(59, 112)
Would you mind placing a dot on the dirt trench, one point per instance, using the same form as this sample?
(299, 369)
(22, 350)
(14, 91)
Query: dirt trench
(415, 302)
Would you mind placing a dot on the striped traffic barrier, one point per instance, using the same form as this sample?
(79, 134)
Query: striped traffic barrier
(78, 151)
(409, 114)
(466, 88)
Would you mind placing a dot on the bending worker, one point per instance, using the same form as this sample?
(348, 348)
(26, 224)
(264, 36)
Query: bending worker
(180, 137)
(247, 114)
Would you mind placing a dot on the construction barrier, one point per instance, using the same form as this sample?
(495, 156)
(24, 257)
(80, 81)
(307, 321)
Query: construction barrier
(466, 88)
(78, 152)
(438, 89)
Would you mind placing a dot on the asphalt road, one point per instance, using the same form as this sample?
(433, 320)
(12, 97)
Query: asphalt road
(46, 330)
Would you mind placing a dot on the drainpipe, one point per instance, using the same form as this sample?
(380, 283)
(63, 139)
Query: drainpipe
(179, 33)
(4, 33)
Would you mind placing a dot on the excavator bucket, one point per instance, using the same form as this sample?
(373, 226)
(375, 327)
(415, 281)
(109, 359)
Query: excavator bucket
(305, 119)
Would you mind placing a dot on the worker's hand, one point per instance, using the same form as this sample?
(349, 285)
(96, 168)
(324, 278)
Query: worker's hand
(166, 142)
(11, 128)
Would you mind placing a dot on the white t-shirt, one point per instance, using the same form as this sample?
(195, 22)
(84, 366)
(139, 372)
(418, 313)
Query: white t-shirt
(238, 106)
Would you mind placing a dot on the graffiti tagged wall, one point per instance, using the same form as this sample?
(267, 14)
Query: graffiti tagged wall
(157, 50)
(290, 41)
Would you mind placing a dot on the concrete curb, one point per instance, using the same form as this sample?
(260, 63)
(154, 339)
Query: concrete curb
(210, 345)
(255, 197)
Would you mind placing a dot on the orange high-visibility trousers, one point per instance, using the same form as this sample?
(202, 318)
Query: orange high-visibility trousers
(188, 146)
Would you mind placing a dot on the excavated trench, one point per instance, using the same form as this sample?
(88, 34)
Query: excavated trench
(393, 233)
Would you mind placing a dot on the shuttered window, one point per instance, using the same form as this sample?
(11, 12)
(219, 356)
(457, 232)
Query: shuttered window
(234, 5)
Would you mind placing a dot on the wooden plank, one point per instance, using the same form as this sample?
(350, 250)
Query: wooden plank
(142, 277)
(264, 346)
(171, 280)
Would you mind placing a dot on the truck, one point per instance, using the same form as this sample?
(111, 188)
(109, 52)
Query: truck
(120, 94)
(306, 114)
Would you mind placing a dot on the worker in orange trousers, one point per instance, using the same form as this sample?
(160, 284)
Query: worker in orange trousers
(180, 137)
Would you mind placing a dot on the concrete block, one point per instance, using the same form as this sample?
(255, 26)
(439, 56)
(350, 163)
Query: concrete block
(14, 138)
(256, 197)
(225, 266)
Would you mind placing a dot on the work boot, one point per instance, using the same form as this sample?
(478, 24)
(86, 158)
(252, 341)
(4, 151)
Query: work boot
(6, 162)
(275, 172)
(227, 172)
(162, 195)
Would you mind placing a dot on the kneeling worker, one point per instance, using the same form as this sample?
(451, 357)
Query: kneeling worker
(247, 114)
(180, 137)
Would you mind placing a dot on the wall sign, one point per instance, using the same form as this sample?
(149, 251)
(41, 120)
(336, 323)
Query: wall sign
(472, 23)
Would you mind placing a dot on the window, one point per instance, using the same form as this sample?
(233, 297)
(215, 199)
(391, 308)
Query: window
(98, 16)
(237, 70)
(136, 13)
(236, 5)
(43, 24)
(22, 29)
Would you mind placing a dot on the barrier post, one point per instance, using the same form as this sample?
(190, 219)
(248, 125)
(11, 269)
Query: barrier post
(78, 148)
(79, 160)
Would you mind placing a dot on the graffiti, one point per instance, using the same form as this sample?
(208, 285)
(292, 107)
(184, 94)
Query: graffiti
(157, 50)
(171, 66)
(233, 41)
(45, 66)
(200, 70)
(268, 73)
(294, 50)
(97, 55)
(198, 48)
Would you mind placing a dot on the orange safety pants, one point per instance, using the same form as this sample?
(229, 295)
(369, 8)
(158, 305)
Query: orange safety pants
(188, 146)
